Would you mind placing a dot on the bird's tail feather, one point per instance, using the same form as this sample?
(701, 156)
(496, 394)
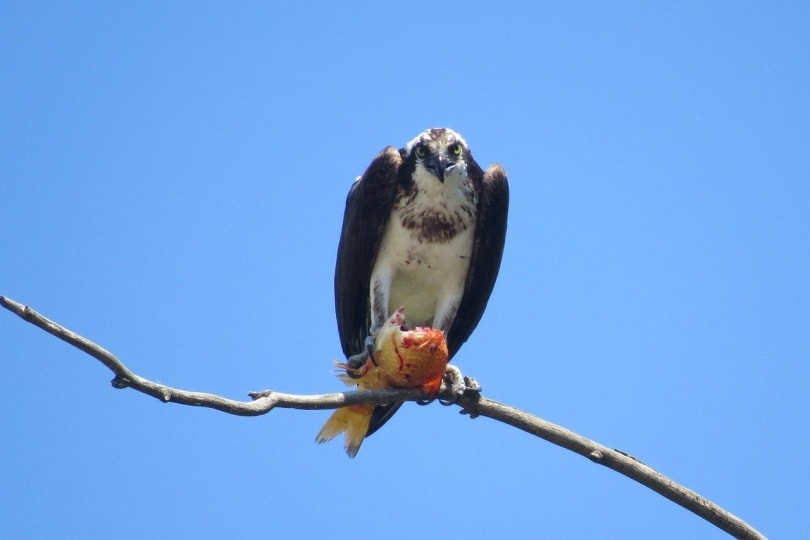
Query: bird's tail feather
(381, 415)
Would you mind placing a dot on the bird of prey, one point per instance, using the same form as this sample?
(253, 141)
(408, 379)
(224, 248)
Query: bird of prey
(423, 229)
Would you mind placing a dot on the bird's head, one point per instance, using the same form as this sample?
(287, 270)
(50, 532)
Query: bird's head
(439, 152)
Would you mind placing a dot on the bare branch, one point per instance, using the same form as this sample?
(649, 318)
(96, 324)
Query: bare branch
(472, 403)
(262, 402)
(617, 460)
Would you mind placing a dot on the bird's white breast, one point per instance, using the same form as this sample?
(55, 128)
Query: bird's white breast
(423, 271)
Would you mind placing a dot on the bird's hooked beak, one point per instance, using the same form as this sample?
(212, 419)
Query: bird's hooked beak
(439, 164)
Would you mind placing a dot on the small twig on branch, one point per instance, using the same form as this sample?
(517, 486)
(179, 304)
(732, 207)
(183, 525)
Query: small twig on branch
(472, 403)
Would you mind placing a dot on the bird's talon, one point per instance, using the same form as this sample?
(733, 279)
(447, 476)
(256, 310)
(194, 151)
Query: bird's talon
(472, 385)
(355, 363)
(370, 344)
(448, 402)
(455, 381)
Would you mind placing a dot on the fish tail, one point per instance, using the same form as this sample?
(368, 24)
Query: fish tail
(353, 421)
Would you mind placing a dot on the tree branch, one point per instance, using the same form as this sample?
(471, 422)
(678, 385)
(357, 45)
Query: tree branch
(472, 403)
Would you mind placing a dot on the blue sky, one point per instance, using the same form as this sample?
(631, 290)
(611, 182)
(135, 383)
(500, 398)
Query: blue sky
(172, 178)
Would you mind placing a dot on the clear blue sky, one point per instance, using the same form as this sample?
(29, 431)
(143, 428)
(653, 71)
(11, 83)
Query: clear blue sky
(172, 180)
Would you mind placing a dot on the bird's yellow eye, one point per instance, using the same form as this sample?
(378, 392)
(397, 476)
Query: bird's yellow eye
(420, 151)
(456, 149)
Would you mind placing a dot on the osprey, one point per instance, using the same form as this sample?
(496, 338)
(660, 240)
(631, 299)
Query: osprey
(423, 229)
